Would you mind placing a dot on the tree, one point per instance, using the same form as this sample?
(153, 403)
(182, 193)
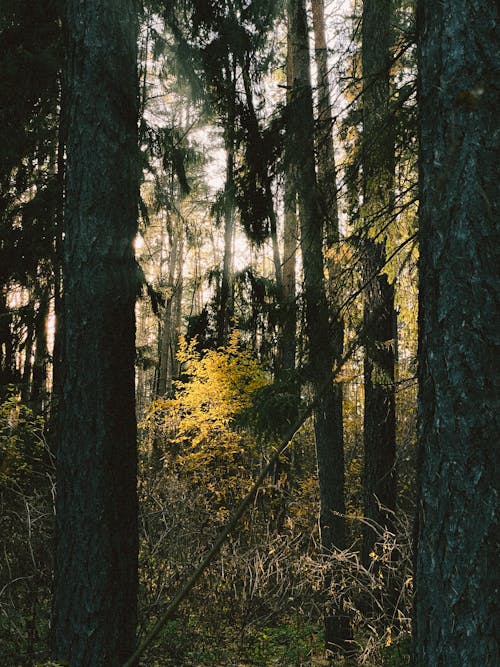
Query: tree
(30, 61)
(327, 190)
(456, 575)
(168, 342)
(221, 52)
(288, 345)
(226, 304)
(327, 177)
(329, 443)
(96, 512)
(379, 430)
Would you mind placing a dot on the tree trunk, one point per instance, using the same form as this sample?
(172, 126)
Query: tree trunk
(288, 343)
(327, 187)
(327, 176)
(379, 480)
(173, 370)
(28, 353)
(57, 364)
(96, 512)
(38, 395)
(225, 311)
(328, 429)
(457, 576)
(8, 371)
(166, 329)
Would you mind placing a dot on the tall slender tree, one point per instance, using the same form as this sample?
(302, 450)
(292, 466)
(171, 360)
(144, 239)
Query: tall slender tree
(457, 576)
(217, 44)
(96, 512)
(327, 176)
(30, 60)
(379, 483)
(329, 444)
(171, 316)
(327, 190)
(38, 395)
(225, 305)
(288, 345)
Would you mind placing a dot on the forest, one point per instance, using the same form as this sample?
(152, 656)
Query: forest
(249, 332)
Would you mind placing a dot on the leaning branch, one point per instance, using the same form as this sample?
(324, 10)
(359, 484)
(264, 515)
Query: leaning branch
(228, 528)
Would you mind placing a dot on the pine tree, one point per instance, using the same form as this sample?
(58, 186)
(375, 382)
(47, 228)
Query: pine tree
(457, 577)
(30, 62)
(96, 512)
(329, 444)
(379, 431)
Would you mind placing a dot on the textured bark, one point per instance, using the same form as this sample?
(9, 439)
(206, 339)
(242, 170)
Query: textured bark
(58, 260)
(28, 354)
(457, 576)
(96, 512)
(327, 176)
(226, 290)
(379, 480)
(288, 344)
(174, 369)
(38, 393)
(8, 371)
(168, 333)
(327, 189)
(290, 244)
(225, 311)
(328, 429)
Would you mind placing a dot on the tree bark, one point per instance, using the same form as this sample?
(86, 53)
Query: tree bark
(8, 370)
(288, 346)
(327, 176)
(329, 443)
(173, 370)
(225, 311)
(167, 329)
(28, 353)
(327, 189)
(379, 479)
(96, 512)
(457, 576)
(57, 364)
(38, 394)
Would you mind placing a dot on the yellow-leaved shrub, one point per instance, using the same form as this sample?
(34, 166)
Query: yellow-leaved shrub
(198, 430)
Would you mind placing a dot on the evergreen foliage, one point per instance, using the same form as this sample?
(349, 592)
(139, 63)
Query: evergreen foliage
(275, 290)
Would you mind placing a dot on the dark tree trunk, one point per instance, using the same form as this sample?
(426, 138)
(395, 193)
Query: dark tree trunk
(168, 335)
(327, 176)
(328, 414)
(57, 363)
(28, 354)
(96, 512)
(288, 345)
(38, 394)
(379, 480)
(225, 311)
(457, 575)
(271, 213)
(327, 188)
(174, 368)
(8, 371)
